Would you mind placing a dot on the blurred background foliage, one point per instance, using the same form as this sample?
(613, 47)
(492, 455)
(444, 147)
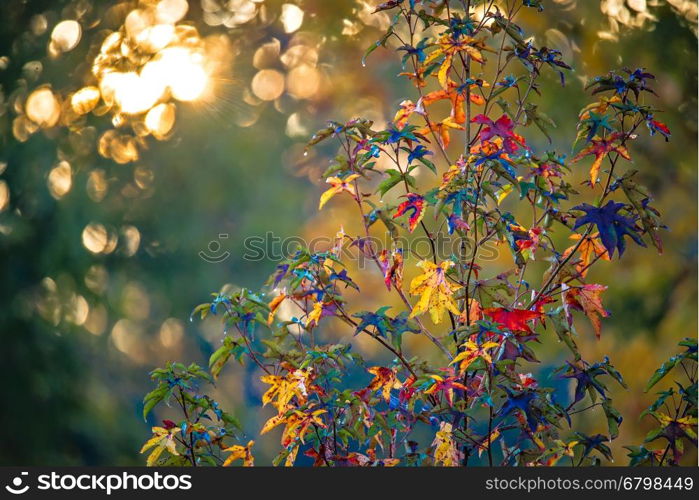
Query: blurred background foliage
(116, 177)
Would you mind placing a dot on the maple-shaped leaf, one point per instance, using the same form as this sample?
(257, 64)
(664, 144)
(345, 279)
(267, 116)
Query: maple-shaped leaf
(435, 291)
(673, 429)
(456, 223)
(446, 385)
(163, 439)
(588, 299)
(529, 243)
(448, 47)
(415, 206)
(599, 148)
(283, 389)
(635, 82)
(240, 452)
(514, 320)
(337, 186)
(378, 320)
(417, 51)
(594, 122)
(456, 94)
(599, 107)
(486, 442)
(611, 225)
(596, 442)
(384, 380)
(503, 128)
(520, 404)
(473, 351)
(589, 248)
(442, 130)
(297, 423)
(587, 378)
(384, 324)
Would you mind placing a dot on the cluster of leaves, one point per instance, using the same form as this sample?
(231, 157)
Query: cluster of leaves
(674, 411)
(472, 398)
(202, 436)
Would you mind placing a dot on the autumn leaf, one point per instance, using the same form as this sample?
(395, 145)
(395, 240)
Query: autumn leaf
(435, 291)
(315, 315)
(589, 248)
(297, 424)
(503, 127)
(415, 206)
(448, 47)
(611, 225)
(446, 386)
(488, 441)
(442, 130)
(599, 148)
(473, 351)
(446, 451)
(474, 312)
(240, 452)
(598, 107)
(514, 320)
(284, 388)
(392, 268)
(273, 306)
(384, 380)
(456, 94)
(337, 186)
(163, 439)
(588, 299)
(407, 108)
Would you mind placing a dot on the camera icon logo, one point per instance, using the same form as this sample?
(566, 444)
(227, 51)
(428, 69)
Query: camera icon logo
(213, 253)
(16, 487)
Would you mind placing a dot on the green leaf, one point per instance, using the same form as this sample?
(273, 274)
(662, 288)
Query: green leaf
(394, 177)
(428, 164)
(613, 418)
(652, 435)
(154, 397)
(658, 402)
(221, 356)
(381, 42)
(662, 371)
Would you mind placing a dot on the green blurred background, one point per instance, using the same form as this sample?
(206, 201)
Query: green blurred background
(100, 241)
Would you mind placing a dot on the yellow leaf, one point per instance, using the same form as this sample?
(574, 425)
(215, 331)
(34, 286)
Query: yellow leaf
(504, 192)
(337, 186)
(443, 70)
(274, 305)
(284, 389)
(385, 379)
(240, 452)
(446, 452)
(272, 423)
(163, 439)
(435, 291)
(314, 315)
(472, 351)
